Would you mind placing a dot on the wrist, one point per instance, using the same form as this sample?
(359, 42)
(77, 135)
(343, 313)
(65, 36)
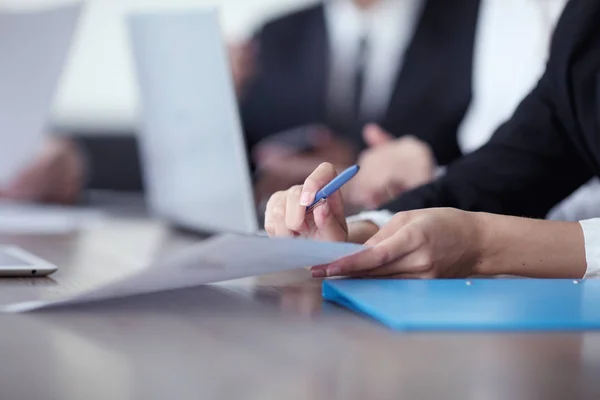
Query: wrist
(527, 247)
(482, 249)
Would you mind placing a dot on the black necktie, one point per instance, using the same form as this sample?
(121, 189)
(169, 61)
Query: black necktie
(359, 83)
(359, 76)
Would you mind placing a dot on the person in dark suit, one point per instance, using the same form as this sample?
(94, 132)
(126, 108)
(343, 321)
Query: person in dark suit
(345, 63)
(321, 74)
(549, 147)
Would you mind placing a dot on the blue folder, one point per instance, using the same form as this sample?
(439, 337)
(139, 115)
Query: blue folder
(472, 305)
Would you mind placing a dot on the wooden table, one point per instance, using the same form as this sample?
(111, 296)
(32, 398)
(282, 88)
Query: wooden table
(266, 338)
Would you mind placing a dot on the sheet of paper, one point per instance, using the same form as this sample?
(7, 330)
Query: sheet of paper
(223, 258)
(33, 48)
(20, 219)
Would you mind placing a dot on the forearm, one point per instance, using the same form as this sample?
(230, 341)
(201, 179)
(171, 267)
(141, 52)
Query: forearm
(528, 247)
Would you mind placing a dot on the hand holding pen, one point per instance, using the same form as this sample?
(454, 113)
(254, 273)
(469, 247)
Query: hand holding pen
(314, 209)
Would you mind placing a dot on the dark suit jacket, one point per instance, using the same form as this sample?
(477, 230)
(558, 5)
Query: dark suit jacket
(548, 148)
(431, 95)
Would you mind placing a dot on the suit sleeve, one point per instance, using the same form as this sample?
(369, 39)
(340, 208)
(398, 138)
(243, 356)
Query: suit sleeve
(529, 165)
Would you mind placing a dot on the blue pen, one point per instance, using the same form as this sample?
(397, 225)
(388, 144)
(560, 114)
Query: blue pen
(334, 186)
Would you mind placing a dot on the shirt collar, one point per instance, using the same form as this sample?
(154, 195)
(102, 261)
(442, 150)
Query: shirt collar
(345, 19)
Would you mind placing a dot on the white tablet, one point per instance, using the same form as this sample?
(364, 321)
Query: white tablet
(15, 261)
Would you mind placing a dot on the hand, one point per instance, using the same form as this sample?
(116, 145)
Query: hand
(389, 167)
(242, 57)
(430, 243)
(55, 176)
(286, 211)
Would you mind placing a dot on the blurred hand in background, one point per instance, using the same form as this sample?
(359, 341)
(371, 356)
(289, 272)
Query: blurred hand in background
(242, 57)
(56, 175)
(389, 167)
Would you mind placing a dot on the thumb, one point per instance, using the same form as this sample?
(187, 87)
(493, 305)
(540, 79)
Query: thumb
(375, 136)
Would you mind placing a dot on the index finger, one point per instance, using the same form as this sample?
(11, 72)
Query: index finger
(316, 181)
(383, 253)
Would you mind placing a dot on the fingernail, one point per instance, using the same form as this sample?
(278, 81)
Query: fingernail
(333, 271)
(326, 209)
(318, 273)
(306, 198)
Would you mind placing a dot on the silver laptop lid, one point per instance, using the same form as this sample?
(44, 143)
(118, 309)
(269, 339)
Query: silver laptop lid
(193, 150)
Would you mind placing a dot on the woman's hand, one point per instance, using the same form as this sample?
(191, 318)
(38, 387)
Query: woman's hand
(287, 215)
(430, 243)
(449, 243)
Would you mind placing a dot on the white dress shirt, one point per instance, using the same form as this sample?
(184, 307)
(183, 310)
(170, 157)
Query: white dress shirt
(388, 27)
(511, 50)
(591, 234)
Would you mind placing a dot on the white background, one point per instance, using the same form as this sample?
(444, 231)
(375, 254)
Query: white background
(97, 90)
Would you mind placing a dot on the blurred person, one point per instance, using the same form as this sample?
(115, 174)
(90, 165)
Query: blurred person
(545, 151)
(511, 49)
(338, 65)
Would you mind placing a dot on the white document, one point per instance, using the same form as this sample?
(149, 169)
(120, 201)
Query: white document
(21, 218)
(33, 48)
(223, 258)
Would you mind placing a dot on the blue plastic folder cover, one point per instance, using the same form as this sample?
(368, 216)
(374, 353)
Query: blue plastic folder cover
(473, 305)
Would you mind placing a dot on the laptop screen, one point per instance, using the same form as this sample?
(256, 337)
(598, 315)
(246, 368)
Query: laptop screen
(192, 144)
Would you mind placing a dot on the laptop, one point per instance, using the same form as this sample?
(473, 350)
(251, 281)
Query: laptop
(192, 146)
(34, 46)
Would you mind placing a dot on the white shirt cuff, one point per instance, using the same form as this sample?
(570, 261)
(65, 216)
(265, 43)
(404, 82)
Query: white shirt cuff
(591, 235)
(379, 218)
